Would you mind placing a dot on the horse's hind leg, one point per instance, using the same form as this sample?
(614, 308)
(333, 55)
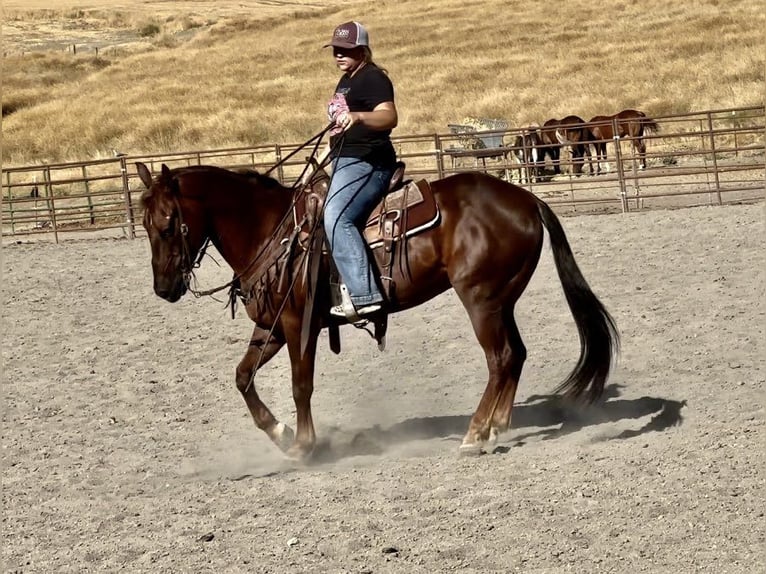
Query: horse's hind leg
(641, 147)
(280, 434)
(501, 418)
(489, 326)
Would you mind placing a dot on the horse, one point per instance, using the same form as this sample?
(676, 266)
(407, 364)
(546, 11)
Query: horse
(550, 146)
(629, 123)
(573, 132)
(485, 244)
(526, 149)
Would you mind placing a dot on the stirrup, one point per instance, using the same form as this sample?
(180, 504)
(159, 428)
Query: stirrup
(339, 311)
(349, 311)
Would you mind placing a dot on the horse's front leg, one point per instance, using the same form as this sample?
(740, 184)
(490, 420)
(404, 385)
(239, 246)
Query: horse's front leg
(302, 364)
(279, 433)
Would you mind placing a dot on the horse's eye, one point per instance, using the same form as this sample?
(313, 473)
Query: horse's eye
(167, 233)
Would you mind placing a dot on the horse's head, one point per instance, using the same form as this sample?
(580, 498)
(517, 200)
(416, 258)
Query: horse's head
(176, 230)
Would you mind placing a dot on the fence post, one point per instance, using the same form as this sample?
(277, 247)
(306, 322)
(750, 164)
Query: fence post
(715, 160)
(620, 173)
(126, 196)
(87, 193)
(50, 202)
(280, 169)
(439, 156)
(10, 201)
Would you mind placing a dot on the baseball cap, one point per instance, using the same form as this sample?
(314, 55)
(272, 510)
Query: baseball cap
(349, 35)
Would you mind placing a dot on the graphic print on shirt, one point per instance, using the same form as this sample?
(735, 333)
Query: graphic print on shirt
(337, 106)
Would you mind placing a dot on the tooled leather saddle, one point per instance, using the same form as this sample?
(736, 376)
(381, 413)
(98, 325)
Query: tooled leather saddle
(407, 209)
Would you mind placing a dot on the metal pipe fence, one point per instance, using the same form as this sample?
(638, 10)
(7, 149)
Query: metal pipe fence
(710, 157)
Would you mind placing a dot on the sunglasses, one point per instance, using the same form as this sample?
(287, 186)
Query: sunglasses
(344, 52)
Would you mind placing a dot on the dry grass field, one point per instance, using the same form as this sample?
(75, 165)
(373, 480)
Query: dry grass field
(188, 75)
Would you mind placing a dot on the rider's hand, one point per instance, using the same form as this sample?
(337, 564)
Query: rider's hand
(347, 119)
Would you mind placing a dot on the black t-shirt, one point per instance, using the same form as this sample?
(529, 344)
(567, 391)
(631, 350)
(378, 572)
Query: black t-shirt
(368, 88)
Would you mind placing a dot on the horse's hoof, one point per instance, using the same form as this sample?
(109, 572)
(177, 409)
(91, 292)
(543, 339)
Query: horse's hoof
(283, 436)
(470, 450)
(299, 453)
(492, 440)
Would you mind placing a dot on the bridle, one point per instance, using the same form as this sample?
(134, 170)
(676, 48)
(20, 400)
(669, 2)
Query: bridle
(188, 265)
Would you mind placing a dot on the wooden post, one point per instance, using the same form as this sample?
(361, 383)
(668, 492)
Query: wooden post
(126, 196)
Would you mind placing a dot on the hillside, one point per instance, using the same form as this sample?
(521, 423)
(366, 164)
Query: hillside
(181, 75)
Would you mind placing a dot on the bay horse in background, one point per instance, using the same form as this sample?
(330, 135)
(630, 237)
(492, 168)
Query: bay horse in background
(549, 144)
(573, 132)
(485, 244)
(527, 151)
(632, 124)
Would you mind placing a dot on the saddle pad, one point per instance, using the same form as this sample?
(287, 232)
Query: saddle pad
(403, 213)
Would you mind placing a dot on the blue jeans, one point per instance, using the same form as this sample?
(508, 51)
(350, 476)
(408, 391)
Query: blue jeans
(356, 188)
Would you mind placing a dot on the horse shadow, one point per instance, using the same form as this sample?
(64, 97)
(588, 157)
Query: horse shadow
(552, 415)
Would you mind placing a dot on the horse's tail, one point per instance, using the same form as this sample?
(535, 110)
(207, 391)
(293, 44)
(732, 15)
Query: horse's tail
(650, 126)
(599, 338)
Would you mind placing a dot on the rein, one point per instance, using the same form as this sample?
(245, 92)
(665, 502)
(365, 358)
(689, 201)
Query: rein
(188, 266)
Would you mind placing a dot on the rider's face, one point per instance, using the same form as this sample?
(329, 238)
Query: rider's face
(348, 59)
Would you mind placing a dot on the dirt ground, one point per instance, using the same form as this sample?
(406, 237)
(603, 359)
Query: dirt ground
(126, 445)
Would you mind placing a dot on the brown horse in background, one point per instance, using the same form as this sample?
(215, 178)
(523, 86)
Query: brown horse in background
(549, 144)
(486, 246)
(527, 151)
(573, 132)
(632, 124)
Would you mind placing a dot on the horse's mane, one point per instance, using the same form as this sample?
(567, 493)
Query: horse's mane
(250, 175)
(261, 179)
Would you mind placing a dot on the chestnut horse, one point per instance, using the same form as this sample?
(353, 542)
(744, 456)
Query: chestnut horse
(627, 123)
(486, 247)
(573, 132)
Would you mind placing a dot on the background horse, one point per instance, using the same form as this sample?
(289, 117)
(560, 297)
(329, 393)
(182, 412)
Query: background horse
(527, 151)
(573, 132)
(550, 145)
(629, 123)
(486, 246)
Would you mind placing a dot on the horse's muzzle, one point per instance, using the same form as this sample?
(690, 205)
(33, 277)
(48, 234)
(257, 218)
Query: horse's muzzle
(170, 293)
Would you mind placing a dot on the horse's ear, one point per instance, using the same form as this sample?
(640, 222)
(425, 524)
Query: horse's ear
(144, 174)
(165, 171)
